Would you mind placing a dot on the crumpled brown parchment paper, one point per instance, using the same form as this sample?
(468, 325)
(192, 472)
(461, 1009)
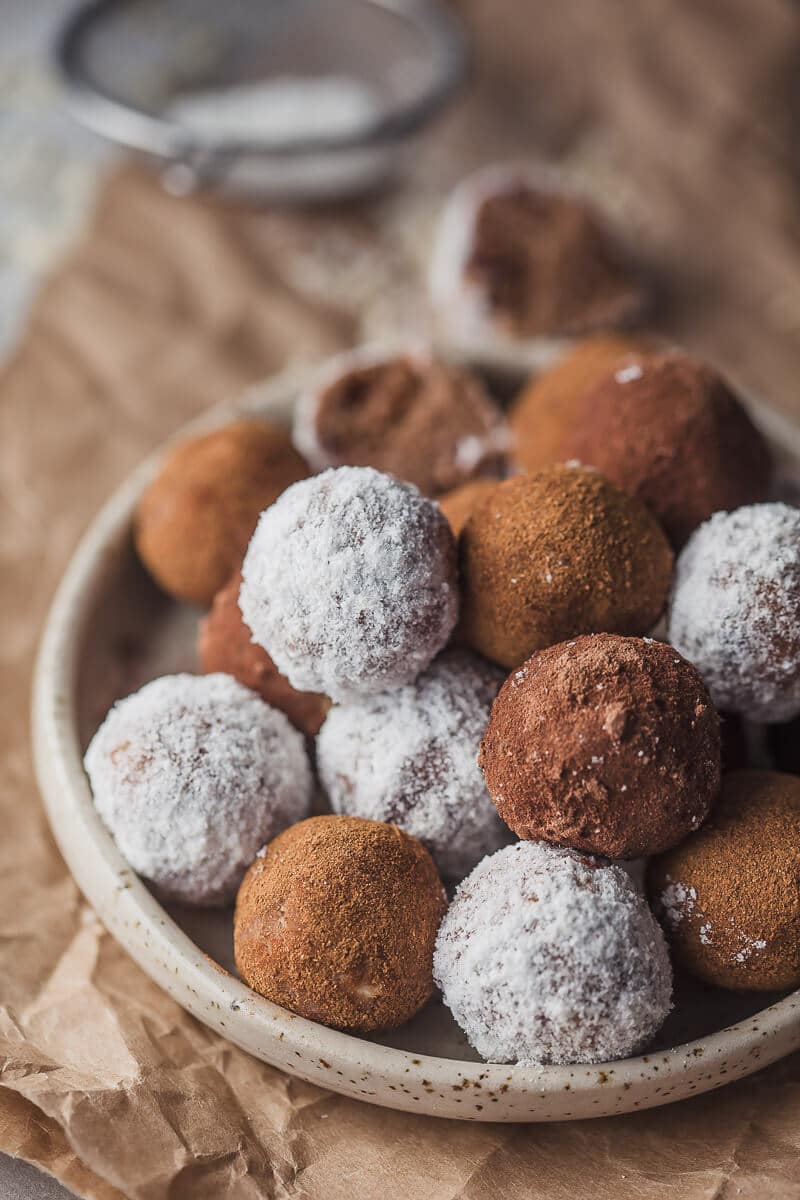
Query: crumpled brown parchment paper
(168, 306)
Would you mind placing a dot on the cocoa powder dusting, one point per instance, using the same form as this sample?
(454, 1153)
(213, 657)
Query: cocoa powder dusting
(337, 919)
(729, 896)
(225, 644)
(604, 743)
(670, 431)
(558, 553)
(547, 266)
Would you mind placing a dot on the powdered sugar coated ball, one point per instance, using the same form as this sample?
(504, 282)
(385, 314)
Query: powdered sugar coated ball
(192, 775)
(548, 957)
(349, 583)
(735, 609)
(409, 757)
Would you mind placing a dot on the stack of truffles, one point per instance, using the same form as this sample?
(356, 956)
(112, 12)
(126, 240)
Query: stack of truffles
(501, 646)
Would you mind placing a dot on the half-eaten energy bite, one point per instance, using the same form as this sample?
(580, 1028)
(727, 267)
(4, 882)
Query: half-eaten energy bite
(411, 415)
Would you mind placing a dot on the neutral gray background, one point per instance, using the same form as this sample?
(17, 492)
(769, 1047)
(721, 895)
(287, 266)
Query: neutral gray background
(20, 1181)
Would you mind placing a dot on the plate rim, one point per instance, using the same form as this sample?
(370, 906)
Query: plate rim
(341, 1062)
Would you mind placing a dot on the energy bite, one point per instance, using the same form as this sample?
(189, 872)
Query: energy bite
(604, 743)
(410, 415)
(734, 610)
(409, 757)
(729, 896)
(545, 412)
(195, 519)
(191, 775)
(349, 583)
(336, 920)
(670, 431)
(545, 956)
(548, 556)
(225, 644)
(520, 261)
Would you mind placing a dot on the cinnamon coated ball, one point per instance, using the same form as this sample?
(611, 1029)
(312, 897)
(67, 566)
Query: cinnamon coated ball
(562, 552)
(195, 519)
(729, 896)
(412, 415)
(544, 414)
(670, 431)
(225, 644)
(604, 743)
(337, 919)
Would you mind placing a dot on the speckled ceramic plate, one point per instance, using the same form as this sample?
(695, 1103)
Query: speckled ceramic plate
(110, 630)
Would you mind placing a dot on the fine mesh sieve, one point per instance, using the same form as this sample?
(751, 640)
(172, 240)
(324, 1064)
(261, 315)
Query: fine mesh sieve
(303, 98)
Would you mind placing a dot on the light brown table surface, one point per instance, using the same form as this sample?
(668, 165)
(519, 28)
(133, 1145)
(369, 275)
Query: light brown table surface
(683, 116)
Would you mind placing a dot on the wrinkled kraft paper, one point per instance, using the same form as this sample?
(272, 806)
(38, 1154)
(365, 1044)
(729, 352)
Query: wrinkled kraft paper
(168, 306)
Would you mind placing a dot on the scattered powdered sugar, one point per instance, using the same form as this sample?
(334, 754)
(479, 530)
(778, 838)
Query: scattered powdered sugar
(545, 956)
(475, 449)
(191, 775)
(349, 583)
(748, 947)
(735, 609)
(409, 757)
(676, 902)
(628, 374)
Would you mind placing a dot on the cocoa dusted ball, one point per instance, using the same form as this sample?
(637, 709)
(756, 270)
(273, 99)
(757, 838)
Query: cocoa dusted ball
(544, 414)
(225, 644)
(457, 505)
(195, 519)
(670, 431)
(411, 415)
(604, 743)
(562, 552)
(337, 919)
(729, 896)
